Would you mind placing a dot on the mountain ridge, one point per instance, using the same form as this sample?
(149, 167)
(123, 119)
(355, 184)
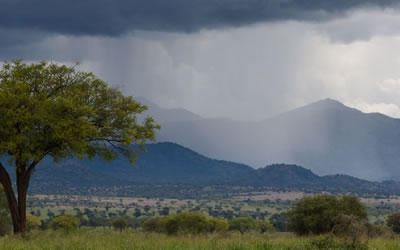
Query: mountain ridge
(172, 164)
(326, 136)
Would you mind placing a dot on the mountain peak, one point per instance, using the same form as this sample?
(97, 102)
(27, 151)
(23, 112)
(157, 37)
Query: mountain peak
(328, 103)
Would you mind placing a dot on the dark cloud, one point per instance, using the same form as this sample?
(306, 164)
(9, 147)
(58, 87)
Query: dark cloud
(116, 17)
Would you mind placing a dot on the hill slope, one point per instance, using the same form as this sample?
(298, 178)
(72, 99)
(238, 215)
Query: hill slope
(163, 163)
(172, 164)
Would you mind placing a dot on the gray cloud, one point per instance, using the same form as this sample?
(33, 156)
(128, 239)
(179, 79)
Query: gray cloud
(243, 73)
(116, 17)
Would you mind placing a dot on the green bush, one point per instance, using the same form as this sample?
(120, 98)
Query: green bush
(350, 226)
(243, 224)
(65, 222)
(393, 221)
(218, 225)
(156, 224)
(120, 223)
(187, 222)
(317, 214)
(265, 226)
(32, 222)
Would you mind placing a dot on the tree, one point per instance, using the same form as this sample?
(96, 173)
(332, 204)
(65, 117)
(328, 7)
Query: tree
(318, 214)
(393, 221)
(242, 224)
(120, 223)
(218, 225)
(264, 226)
(32, 222)
(187, 223)
(65, 222)
(155, 224)
(279, 221)
(52, 111)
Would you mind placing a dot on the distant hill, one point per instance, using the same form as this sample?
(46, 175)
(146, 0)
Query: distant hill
(163, 163)
(172, 164)
(162, 115)
(326, 136)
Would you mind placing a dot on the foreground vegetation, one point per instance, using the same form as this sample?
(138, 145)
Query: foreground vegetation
(134, 240)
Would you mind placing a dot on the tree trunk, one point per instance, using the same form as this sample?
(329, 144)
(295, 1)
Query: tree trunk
(11, 199)
(17, 205)
(22, 188)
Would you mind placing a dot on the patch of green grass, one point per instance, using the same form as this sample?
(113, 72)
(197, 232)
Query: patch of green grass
(86, 240)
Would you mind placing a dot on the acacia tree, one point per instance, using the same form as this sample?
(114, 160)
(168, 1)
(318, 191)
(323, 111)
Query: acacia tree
(53, 111)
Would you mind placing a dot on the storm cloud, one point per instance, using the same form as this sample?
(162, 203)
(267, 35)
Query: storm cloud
(117, 17)
(238, 59)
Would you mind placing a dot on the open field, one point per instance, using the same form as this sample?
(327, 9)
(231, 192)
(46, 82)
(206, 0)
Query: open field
(147, 241)
(258, 204)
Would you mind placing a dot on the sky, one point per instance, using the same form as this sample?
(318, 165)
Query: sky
(240, 59)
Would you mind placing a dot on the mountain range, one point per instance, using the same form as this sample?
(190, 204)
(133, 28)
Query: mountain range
(172, 164)
(326, 137)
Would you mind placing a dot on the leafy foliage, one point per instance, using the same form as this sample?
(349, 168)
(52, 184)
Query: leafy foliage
(317, 214)
(393, 221)
(54, 110)
(243, 224)
(32, 222)
(120, 223)
(65, 222)
(187, 222)
(218, 225)
(155, 224)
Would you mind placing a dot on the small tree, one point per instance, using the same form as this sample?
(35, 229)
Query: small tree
(218, 225)
(65, 222)
(54, 111)
(156, 224)
(317, 214)
(265, 226)
(120, 223)
(32, 222)
(393, 221)
(187, 222)
(242, 224)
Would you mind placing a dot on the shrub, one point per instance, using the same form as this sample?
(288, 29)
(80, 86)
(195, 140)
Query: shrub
(393, 221)
(156, 224)
(279, 221)
(187, 222)
(242, 224)
(317, 214)
(32, 222)
(349, 225)
(120, 223)
(264, 226)
(218, 225)
(65, 222)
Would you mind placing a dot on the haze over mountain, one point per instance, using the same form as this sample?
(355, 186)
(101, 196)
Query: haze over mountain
(167, 115)
(326, 137)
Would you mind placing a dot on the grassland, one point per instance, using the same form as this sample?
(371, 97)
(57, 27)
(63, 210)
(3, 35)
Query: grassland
(147, 241)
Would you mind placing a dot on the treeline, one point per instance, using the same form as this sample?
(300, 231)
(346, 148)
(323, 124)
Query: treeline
(343, 216)
(195, 222)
